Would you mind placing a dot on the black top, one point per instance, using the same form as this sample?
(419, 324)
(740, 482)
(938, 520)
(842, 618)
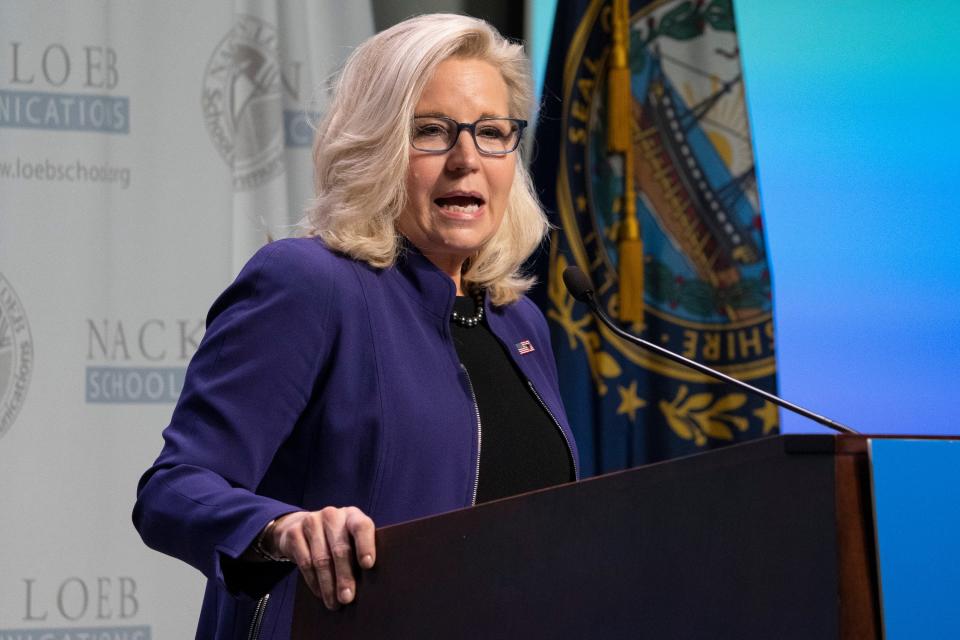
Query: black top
(521, 447)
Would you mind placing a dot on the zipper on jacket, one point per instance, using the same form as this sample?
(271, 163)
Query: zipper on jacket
(476, 410)
(258, 612)
(573, 458)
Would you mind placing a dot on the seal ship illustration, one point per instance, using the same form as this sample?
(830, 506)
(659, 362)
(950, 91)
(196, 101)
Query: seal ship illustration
(698, 218)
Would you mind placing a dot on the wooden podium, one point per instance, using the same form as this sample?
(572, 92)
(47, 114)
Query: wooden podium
(771, 538)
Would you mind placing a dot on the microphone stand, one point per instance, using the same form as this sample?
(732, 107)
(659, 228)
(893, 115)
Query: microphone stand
(580, 288)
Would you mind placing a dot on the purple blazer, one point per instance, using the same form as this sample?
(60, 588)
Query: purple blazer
(320, 381)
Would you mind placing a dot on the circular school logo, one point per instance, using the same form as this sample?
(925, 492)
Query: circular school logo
(243, 102)
(16, 355)
(698, 274)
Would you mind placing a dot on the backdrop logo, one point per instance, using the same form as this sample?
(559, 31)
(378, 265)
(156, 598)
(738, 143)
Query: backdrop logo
(139, 362)
(43, 80)
(16, 355)
(244, 87)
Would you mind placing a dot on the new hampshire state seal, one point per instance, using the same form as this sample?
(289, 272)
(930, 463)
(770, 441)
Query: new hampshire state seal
(705, 281)
(16, 355)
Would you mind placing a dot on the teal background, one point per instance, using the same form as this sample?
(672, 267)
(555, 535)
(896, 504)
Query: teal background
(854, 108)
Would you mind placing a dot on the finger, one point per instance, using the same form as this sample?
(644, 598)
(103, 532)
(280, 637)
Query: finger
(292, 543)
(321, 563)
(341, 549)
(362, 530)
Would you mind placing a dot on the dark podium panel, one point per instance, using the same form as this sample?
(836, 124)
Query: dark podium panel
(767, 539)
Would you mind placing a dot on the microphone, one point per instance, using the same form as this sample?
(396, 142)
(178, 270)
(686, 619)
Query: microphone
(580, 287)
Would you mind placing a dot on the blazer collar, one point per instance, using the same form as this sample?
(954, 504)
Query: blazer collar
(423, 280)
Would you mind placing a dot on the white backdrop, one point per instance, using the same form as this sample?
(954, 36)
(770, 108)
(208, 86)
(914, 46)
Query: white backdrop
(146, 150)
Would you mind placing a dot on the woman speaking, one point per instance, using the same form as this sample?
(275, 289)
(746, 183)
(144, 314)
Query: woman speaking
(387, 365)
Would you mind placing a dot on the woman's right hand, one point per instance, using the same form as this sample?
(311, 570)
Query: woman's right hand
(323, 544)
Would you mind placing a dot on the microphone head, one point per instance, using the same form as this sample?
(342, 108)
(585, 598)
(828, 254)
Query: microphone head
(578, 284)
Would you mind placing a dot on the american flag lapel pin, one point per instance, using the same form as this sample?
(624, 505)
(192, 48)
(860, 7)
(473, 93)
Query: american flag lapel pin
(524, 347)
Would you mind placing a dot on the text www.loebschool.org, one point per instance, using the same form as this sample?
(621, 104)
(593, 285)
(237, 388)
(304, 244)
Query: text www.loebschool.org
(76, 171)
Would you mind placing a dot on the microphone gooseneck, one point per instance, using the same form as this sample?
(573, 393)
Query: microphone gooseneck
(580, 287)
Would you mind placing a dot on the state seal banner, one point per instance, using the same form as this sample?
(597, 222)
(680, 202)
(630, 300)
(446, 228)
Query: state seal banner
(644, 161)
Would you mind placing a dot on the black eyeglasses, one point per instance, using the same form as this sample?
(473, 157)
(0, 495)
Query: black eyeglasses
(493, 136)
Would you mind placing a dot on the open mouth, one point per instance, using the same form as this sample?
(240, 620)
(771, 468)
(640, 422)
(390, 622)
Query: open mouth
(459, 203)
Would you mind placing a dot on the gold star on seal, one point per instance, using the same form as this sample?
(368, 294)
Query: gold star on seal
(768, 413)
(629, 401)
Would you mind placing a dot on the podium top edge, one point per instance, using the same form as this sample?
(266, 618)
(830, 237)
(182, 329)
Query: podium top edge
(768, 447)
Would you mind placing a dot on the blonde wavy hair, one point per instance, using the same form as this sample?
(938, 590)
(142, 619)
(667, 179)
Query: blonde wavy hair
(361, 148)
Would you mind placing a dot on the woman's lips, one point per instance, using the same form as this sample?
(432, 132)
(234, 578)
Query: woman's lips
(460, 205)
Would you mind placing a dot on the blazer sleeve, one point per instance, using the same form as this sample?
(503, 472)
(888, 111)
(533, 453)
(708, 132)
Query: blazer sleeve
(245, 388)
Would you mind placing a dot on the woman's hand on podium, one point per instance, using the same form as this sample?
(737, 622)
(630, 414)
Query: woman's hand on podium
(323, 545)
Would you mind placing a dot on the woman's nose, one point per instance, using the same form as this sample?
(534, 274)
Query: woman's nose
(464, 155)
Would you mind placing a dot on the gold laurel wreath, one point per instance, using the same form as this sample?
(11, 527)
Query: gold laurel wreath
(698, 416)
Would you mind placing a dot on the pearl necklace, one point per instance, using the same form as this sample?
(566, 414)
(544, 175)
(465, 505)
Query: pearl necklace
(474, 320)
